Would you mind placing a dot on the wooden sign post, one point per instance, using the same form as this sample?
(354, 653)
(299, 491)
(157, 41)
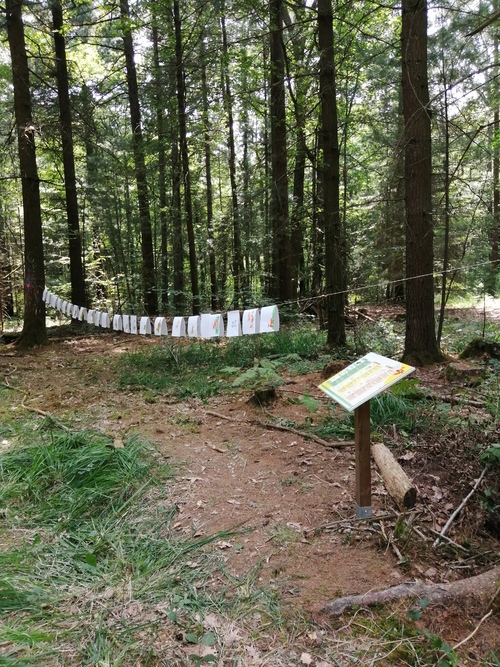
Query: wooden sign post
(363, 461)
(353, 388)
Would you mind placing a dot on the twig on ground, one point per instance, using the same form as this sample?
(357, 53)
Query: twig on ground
(351, 521)
(459, 508)
(216, 449)
(9, 386)
(449, 540)
(469, 636)
(280, 427)
(492, 600)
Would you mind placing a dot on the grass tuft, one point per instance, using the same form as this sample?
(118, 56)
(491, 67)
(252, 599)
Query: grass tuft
(68, 477)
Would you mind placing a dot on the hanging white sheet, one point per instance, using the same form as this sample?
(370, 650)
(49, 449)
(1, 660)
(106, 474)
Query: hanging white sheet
(251, 321)
(269, 319)
(194, 326)
(233, 323)
(179, 326)
(161, 328)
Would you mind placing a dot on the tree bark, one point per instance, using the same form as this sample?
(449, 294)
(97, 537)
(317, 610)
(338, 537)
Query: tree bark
(162, 175)
(396, 481)
(208, 179)
(491, 279)
(188, 203)
(78, 292)
(228, 103)
(148, 263)
(34, 330)
(334, 260)
(420, 339)
(279, 168)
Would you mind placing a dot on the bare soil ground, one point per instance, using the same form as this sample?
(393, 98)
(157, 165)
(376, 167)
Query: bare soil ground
(292, 498)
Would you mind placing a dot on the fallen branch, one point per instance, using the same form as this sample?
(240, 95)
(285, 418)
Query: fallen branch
(44, 414)
(449, 540)
(480, 586)
(455, 399)
(289, 429)
(459, 508)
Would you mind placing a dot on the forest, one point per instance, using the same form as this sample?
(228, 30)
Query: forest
(184, 502)
(178, 157)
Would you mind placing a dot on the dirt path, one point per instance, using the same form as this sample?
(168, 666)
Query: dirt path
(277, 488)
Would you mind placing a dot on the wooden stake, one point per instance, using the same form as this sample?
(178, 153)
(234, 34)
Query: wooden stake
(363, 471)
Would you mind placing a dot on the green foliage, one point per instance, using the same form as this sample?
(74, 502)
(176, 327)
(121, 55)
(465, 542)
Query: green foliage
(416, 614)
(491, 456)
(205, 369)
(262, 374)
(384, 337)
(310, 403)
(69, 477)
(389, 408)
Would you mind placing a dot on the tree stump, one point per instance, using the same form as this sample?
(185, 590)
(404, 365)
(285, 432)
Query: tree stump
(461, 372)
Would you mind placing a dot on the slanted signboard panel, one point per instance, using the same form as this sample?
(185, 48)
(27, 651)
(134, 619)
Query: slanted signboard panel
(353, 388)
(364, 379)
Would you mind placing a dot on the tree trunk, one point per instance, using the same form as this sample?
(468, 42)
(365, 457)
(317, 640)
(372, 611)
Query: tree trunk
(78, 295)
(446, 241)
(420, 340)
(188, 203)
(228, 103)
(279, 168)
(491, 279)
(6, 292)
(148, 264)
(162, 175)
(334, 261)
(208, 178)
(34, 331)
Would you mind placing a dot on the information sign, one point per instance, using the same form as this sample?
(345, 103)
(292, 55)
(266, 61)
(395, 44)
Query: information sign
(364, 379)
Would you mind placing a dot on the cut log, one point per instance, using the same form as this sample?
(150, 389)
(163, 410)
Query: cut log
(397, 482)
(481, 587)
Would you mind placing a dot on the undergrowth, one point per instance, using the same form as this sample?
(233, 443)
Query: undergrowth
(194, 369)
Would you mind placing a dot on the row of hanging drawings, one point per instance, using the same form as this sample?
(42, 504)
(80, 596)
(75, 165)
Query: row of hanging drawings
(254, 320)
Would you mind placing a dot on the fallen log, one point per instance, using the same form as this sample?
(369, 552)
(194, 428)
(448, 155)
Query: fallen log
(397, 482)
(482, 587)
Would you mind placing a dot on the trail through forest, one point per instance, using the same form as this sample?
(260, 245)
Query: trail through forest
(291, 499)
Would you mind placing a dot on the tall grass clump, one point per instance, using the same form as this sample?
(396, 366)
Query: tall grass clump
(67, 477)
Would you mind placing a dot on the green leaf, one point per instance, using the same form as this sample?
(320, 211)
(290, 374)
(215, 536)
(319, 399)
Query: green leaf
(414, 614)
(230, 370)
(310, 403)
(208, 639)
(91, 560)
(191, 638)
